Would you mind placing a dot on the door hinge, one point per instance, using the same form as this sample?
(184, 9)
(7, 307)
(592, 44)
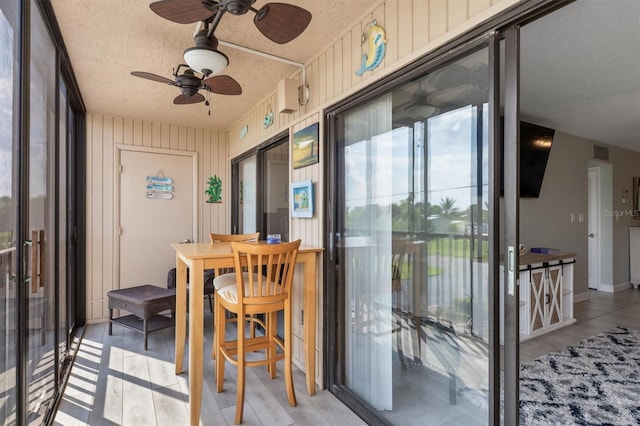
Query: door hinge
(301, 316)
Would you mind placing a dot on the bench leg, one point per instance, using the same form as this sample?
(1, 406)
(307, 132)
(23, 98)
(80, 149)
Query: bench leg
(144, 330)
(110, 320)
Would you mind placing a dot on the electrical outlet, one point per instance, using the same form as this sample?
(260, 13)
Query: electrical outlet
(573, 217)
(580, 217)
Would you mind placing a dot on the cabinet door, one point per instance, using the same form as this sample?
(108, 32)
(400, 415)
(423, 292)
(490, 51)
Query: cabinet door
(537, 299)
(554, 294)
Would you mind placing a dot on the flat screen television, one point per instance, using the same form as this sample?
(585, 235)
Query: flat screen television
(535, 145)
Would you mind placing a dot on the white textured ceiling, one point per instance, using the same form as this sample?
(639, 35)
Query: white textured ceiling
(107, 39)
(580, 71)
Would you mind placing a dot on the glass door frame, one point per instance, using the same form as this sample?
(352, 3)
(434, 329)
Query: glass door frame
(258, 153)
(334, 331)
(76, 223)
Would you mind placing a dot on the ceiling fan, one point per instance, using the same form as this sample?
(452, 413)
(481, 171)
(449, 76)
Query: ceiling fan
(190, 84)
(279, 22)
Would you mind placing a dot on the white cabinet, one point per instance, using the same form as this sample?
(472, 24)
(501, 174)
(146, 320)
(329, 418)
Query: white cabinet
(546, 294)
(546, 297)
(634, 256)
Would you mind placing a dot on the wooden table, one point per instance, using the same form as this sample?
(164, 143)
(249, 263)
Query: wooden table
(200, 256)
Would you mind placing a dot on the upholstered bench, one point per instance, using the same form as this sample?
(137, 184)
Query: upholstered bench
(144, 302)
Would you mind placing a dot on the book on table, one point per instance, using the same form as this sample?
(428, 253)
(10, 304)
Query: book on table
(544, 250)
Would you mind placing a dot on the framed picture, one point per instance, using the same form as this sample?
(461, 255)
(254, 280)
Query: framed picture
(302, 199)
(305, 146)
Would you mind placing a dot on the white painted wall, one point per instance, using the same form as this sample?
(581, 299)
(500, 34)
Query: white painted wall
(545, 221)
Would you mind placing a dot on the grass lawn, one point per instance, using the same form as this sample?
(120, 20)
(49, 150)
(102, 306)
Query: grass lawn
(456, 247)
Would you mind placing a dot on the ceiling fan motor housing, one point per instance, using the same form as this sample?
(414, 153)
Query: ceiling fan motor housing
(188, 83)
(238, 7)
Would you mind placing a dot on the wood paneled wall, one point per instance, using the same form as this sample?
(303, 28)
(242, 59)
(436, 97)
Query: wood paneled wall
(104, 132)
(413, 28)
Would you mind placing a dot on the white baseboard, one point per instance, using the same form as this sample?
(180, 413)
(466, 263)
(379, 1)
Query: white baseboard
(581, 297)
(614, 288)
(621, 286)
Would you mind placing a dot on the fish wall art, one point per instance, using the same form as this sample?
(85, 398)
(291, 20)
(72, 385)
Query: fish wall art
(375, 40)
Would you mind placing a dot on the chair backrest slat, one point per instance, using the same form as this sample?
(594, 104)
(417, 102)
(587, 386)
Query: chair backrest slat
(228, 238)
(270, 268)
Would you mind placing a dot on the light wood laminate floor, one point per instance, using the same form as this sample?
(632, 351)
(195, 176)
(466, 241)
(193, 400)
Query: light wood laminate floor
(115, 382)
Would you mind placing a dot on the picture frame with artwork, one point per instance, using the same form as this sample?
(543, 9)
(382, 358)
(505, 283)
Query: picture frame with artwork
(305, 149)
(302, 199)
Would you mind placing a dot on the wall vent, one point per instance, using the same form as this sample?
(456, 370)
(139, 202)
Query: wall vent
(600, 153)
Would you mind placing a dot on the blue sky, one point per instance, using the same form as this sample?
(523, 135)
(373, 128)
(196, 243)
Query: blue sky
(450, 157)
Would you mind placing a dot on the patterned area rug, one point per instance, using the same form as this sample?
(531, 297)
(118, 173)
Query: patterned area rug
(596, 382)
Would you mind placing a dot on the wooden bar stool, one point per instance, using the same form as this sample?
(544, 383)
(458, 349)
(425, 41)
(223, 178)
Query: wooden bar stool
(264, 289)
(225, 276)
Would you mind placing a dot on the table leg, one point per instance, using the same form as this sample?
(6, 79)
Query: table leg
(196, 331)
(310, 320)
(181, 312)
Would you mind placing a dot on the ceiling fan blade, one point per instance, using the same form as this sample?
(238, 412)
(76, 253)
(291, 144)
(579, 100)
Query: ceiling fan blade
(281, 22)
(183, 11)
(222, 85)
(153, 77)
(186, 100)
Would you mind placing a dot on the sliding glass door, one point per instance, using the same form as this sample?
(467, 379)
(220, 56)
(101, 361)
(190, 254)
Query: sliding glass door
(42, 279)
(261, 190)
(245, 201)
(415, 256)
(40, 162)
(275, 189)
(9, 148)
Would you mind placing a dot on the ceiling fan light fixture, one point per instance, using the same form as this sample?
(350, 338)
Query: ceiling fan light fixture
(421, 112)
(420, 107)
(205, 61)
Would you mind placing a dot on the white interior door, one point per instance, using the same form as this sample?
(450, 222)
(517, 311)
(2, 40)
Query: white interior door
(150, 225)
(594, 228)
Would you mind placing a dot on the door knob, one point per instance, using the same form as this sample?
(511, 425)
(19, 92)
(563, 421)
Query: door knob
(591, 235)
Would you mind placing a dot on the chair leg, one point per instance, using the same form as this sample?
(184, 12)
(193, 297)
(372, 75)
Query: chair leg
(241, 377)
(213, 343)
(270, 332)
(218, 340)
(146, 333)
(210, 303)
(288, 373)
